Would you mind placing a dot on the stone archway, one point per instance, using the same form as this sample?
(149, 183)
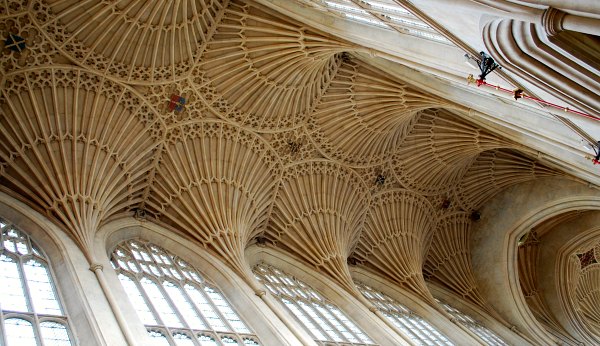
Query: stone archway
(505, 218)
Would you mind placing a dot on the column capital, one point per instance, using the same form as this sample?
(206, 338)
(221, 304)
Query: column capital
(96, 266)
(552, 21)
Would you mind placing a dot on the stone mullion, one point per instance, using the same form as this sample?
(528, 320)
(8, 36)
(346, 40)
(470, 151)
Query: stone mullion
(137, 282)
(218, 312)
(390, 23)
(329, 323)
(183, 321)
(308, 316)
(294, 300)
(2, 328)
(35, 323)
(189, 299)
(347, 327)
(404, 321)
(416, 329)
(162, 290)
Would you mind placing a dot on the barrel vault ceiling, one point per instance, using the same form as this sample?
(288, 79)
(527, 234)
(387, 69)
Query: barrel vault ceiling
(227, 122)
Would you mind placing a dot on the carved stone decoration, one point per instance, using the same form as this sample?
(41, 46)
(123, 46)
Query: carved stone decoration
(264, 71)
(363, 116)
(75, 145)
(378, 178)
(588, 295)
(448, 260)
(318, 215)
(216, 183)
(12, 7)
(579, 292)
(135, 41)
(293, 146)
(396, 236)
(438, 151)
(552, 21)
(34, 48)
(528, 262)
(494, 171)
(587, 289)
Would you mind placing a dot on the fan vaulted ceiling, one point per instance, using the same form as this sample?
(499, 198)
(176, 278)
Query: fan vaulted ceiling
(282, 132)
(225, 121)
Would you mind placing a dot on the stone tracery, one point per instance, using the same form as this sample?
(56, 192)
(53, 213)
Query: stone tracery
(81, 145)
(448, 261)
(318, 215)
(438, 150)
(493, 171)
(263, 71)
(397, 233)
(363, 116)
(75, 145)
(216, 182)
(585, 291)
(135, 41)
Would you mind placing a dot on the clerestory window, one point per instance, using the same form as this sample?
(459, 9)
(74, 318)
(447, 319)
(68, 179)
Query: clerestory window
(387, 14)
(325, 322)
(176, 304)
(419, 330)
(484, 333)
(31, 313)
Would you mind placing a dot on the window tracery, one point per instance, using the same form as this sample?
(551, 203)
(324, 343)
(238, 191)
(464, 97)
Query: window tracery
(381, 13)
(175, 303)
(30, 310)
(467, 321)
(325, 322)
(419, 330)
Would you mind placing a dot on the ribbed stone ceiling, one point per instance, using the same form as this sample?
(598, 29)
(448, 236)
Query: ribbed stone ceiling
(226, 121)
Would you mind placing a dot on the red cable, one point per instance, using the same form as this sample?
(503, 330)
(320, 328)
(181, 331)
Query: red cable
(480, 82)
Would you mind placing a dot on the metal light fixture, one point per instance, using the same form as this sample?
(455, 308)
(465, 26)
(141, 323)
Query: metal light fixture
(486, 65)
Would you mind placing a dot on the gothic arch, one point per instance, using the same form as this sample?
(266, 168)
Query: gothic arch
(232, 285)
(328, 287)
(413, 302)
(520, 208)
(78, 292)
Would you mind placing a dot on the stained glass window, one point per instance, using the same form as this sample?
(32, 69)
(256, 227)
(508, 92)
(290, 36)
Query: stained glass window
(484, 333)
(175, 303)
(417, 329)
(325, 322)
(31, 313)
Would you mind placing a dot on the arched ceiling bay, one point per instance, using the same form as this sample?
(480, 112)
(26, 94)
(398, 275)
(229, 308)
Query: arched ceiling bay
(216, 182)
(318, 215)
(574, 270)
(135, 41)
(363, 116)
(75, 145)
(396, 236)
(263, 71)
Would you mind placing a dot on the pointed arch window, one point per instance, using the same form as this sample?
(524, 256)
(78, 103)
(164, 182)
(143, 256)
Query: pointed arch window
(419, 330)
(31, 313)
(175, 303)
(326, 322)
(467, 321)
